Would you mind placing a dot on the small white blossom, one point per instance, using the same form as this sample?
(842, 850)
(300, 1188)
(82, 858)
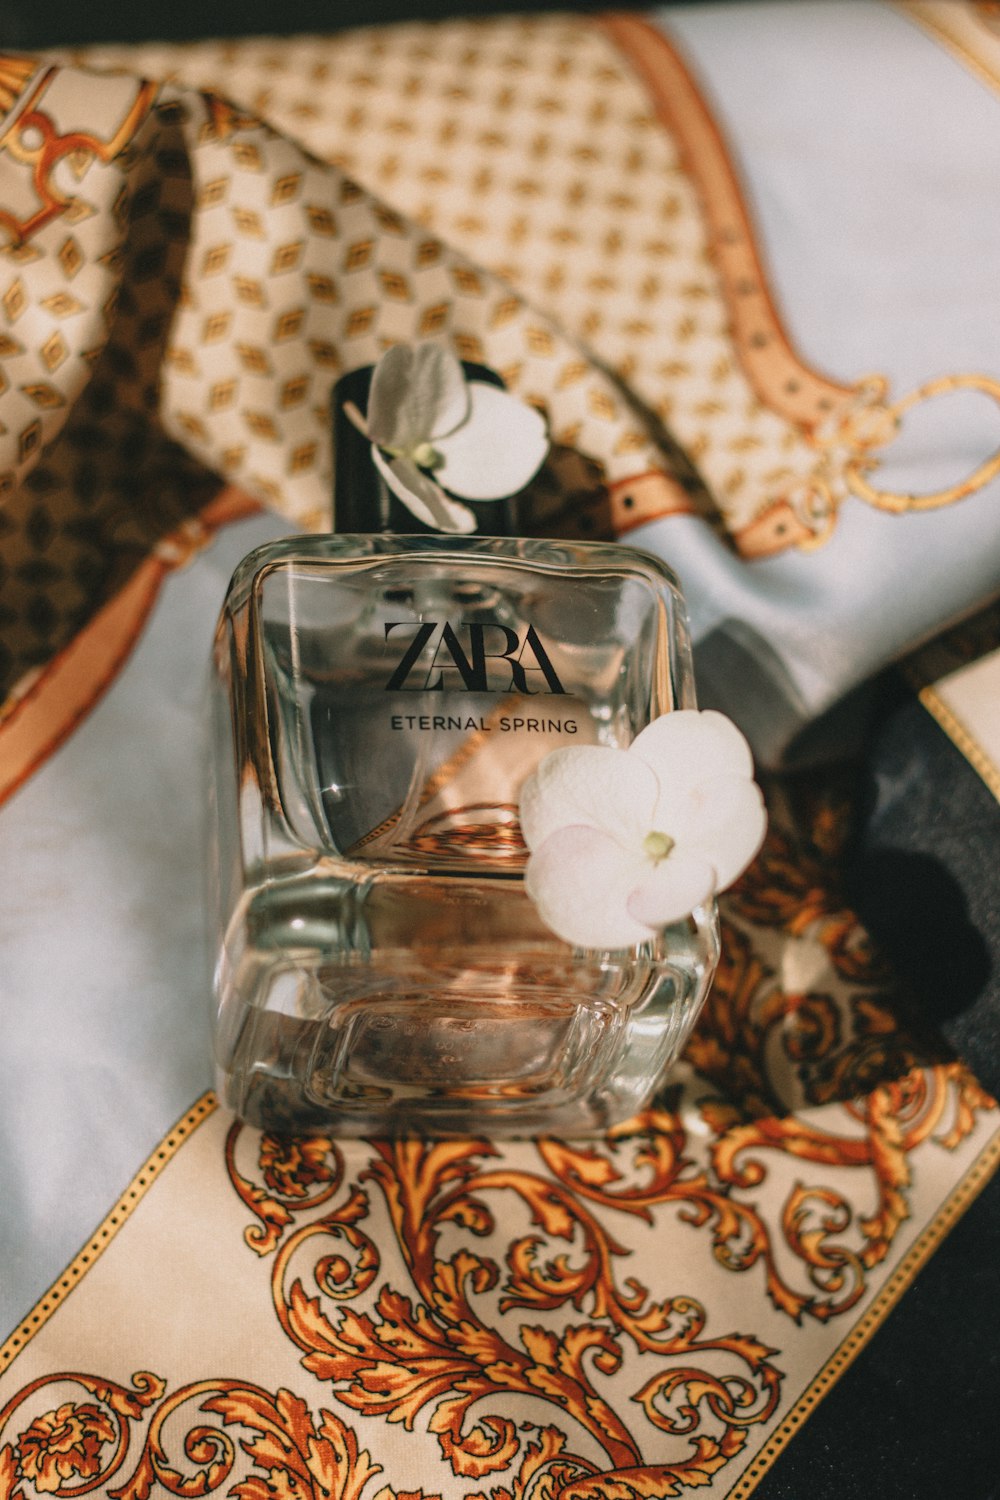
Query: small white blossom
(432, 430)
(624, 842)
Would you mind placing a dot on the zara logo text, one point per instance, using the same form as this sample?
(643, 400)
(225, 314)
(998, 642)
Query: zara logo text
(497, 659)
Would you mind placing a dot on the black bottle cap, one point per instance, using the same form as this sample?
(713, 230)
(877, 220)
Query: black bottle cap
(362, 501)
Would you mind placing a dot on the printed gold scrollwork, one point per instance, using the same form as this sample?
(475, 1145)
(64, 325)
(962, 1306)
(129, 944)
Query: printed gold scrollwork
(191, 1447)
(349, 1270)
(298, 1455)
(302, 1173)
(897, 1117)
(794, 885)
(74, 1446)
(436, 1350)
(299, 1173)
(800, 1016)
(741, 1237)
(845, 1049)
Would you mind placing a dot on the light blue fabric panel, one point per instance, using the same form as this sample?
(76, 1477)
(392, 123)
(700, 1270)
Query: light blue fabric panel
(871, 158)
(103, 952)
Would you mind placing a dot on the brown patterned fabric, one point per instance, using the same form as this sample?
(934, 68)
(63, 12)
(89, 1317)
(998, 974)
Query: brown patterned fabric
(197, 283)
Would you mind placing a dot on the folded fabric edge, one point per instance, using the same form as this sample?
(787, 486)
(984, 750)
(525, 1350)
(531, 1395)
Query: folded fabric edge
(72, 684)
(151, 1169)
(980, 757)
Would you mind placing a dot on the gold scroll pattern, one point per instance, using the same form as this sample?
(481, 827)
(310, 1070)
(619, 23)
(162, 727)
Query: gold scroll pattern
(497, 1302)
(850, 1100)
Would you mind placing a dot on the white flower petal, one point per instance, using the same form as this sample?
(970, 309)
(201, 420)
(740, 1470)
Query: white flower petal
(501, 446)
(656, 832)
(674, 888)
(422, 496)
(690, 745)
(417, 392)
(580, 879)
(724, 826)
(590, 784)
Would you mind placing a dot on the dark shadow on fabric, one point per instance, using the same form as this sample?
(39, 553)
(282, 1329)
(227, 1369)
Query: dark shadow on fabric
(916, 910)
(111, 483)
(922, 876)
(741, 674)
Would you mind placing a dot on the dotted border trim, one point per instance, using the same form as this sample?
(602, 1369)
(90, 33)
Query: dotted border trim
(968, 1188)
(956, 731)
(106, 1231)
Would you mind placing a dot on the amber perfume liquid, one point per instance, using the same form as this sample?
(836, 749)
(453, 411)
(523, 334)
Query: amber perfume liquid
(379, 701)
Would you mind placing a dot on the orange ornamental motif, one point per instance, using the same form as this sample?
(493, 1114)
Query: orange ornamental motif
(293, 1165)
(473, 1327)
(14, 74)
(502, 1306)
(437, 1355)
(80, 1444)
(64, 1446)
(295, 1456)
(33, 139)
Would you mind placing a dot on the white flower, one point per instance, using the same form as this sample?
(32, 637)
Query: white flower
(478, 441)
(624, 842)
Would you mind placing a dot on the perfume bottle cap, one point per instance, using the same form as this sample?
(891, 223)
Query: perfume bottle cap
(362, 501)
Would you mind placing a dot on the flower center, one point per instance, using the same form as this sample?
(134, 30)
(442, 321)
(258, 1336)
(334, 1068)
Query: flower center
(426, 456)
(656, 846)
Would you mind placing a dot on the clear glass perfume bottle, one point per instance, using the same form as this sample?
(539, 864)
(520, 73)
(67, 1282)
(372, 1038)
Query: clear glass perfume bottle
(379, 701)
